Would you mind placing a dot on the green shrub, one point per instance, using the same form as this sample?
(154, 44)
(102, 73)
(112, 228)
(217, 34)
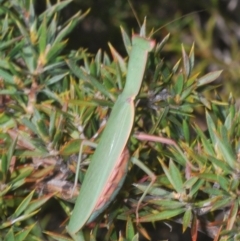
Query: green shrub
(52, 99)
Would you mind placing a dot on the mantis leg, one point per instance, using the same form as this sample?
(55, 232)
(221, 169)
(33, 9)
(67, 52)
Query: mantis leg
(84, 143)
(153, 177)
(152, 138)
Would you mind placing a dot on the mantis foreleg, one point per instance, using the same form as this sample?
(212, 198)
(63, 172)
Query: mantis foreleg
(84, 143)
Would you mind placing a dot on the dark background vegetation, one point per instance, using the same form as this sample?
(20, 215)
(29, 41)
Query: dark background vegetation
(214, 27)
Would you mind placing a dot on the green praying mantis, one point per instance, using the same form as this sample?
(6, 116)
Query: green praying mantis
(109, 162)
(103, 180)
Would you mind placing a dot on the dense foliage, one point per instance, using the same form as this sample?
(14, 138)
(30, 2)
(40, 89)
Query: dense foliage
(51, 99)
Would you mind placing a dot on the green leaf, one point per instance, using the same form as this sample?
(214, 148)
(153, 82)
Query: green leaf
(63, 33)
(52, 128)
(42, 33)
(6, 122)
(127, 41)
(228, 123)
(98, 62)
(4, 189)
(52, 29)
(16, 220)
(25, 121)
(70, 148)
(70, 26)
(88, 78)
(136, 237)
(186, 130)
(21, 208)
(53, 9)
(106, 59)
(227, 152)
(55, 79)
(214, 191)
(42, 130)
(196, 187)
(92, 237)
(186, 63)
(187, 218)
(208, 149)
(191, 57)
(164, 215)
(176, 177)
(208, 78)
(119, 75)
(221, 180)
(129, 229)
(179, 84)
(211, 128)
(30, 58)
(7, 78)
(207, 202)
(168, 203)
(78, 236)
(5, 44)
(155, 191)
(223, 202)
(160, 45)
(11, 152)
(190, 182)
(9, 236)
(186, 92)
(52, 95)
(8, 92)
(20, 174)
(232, 218)
(176, 67)
(35, 204)
(55, 50)
(219, 164)
(118, 58)
(23, 234)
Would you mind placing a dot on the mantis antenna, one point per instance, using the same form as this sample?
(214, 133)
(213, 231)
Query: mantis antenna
(176, 19)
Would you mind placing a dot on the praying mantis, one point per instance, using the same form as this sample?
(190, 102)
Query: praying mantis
(104, 180)
(109, 162)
